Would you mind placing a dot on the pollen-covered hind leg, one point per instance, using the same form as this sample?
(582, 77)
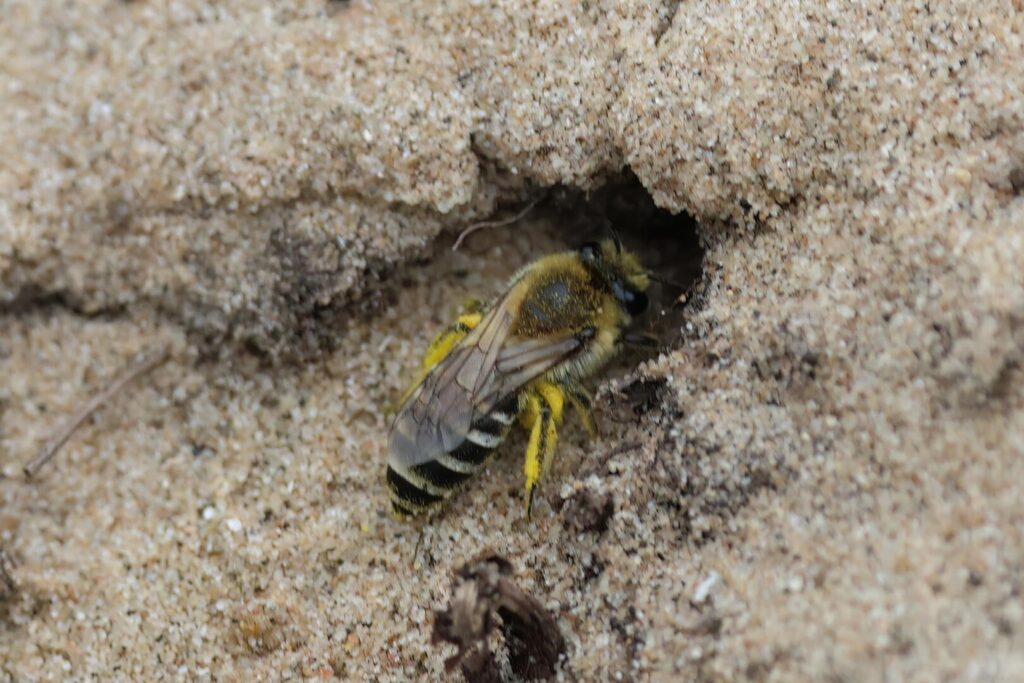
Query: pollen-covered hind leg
(444, 342)
(543, 414)
(473, 305)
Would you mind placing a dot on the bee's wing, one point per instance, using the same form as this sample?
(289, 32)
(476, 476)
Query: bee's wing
(523, 360)
(482, 369)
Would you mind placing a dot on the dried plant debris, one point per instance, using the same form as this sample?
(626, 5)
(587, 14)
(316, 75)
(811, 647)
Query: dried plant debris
(8, 586)
(485, 597)
(95, 402)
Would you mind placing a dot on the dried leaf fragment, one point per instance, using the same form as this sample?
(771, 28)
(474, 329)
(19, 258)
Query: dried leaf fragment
(485, 597)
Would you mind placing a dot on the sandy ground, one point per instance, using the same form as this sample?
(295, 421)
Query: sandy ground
(827, 487)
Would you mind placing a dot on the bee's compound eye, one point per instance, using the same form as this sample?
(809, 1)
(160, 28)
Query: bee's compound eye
(634, 301)
(590, 252)
(638, 305)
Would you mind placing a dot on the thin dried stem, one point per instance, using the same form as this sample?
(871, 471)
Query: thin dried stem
(54, 443)
(493, 224)
(7, 582)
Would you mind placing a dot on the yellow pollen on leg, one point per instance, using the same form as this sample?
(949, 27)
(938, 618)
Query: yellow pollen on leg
(532, 464)
(443, 344)
(542, 412)
(555, 399)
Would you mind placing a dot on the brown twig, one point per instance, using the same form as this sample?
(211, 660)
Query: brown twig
(7, 582)
(470, 229)
(54, 443)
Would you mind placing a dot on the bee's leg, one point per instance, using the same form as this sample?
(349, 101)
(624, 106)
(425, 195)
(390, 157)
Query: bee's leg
(442, 345)
(544, 406)
(637, 340)
(582, 401)
(473, 305)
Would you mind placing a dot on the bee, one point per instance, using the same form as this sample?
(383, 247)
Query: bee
(523, 357)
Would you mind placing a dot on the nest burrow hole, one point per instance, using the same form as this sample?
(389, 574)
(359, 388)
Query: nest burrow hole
(666, 243)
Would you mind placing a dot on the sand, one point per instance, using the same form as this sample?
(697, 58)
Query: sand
(828, 486)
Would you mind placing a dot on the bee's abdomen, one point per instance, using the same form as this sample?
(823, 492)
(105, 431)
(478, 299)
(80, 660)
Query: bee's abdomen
(424, 485)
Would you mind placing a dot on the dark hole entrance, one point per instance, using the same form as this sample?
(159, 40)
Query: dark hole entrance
(668, 244)
(565, 218)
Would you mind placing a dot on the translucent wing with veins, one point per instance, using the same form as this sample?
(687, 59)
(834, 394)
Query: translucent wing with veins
(484, 368)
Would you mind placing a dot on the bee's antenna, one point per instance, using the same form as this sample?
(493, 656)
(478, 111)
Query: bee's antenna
(672, 283)
(616, 239)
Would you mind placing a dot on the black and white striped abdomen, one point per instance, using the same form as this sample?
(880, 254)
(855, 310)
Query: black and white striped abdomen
(415, 488)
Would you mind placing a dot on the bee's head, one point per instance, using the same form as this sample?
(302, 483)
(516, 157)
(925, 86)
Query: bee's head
(620, 269)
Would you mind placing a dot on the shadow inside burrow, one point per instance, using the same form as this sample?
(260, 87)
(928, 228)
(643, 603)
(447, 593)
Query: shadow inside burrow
(666, 243)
